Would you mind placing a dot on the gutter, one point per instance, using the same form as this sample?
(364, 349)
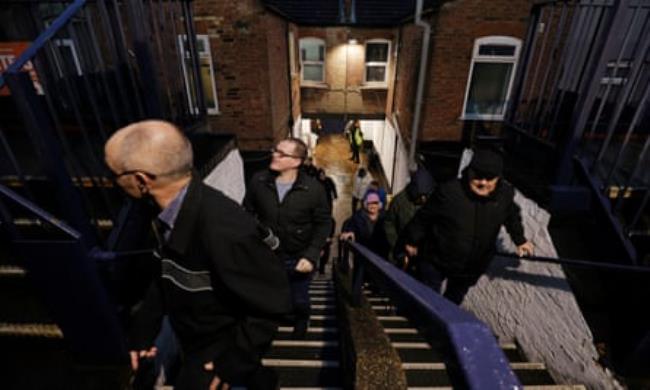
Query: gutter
(424, 53)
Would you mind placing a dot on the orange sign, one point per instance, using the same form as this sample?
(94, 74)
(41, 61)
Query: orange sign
(9, 51)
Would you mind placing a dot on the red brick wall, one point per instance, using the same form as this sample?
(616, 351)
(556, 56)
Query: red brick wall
(248, 47)
(406, 80)
(459, 23)
(344, 89)
(455, 27)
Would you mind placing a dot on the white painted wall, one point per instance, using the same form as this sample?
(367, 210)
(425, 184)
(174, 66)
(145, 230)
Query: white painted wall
(228, 177)
(392, 152)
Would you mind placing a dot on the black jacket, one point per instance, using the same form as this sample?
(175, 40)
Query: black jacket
(456, 230)
(219, 284)
(372, 236)
(302, 221)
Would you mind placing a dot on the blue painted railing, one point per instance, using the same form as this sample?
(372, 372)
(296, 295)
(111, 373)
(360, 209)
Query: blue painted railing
(481, 362)
(60, 22)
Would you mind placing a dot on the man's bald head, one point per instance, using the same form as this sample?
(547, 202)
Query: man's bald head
(152, 146)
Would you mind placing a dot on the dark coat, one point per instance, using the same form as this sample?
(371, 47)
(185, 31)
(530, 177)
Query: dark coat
(372, 236)
(302, 221)
(456, 230)
(219, 284)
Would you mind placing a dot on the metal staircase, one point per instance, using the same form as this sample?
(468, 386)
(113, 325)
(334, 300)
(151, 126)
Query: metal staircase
(312, 363)
(425, 365)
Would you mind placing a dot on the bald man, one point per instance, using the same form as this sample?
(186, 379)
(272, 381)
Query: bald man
(220, 285)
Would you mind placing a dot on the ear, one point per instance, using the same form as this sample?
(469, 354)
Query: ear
(142, 182)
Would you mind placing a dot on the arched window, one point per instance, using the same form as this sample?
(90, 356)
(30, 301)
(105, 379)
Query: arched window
(312, 60)
(494, 61)
(377, 56)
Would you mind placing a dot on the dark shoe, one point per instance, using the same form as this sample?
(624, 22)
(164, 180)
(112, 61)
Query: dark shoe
(300, 330)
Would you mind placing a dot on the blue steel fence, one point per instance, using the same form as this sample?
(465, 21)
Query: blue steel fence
(582, 93)
(91, 67)
(481, 363)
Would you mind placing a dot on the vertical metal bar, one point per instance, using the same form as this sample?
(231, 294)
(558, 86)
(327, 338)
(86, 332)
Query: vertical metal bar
(89, 91)
(147, 68)
(163, 67)
(14, 162)
(525, 66)
(639, 211)
(180, 84)
(101, 67)
(191, 40)
(357, 278)
(568, 60)
(637, 116)
(549, 66)
(608, 88)
(522, 68)
(124, 53)
(40, 131)
(537, 66)
(622, 99)
(586, 100)
(640, 109)
(112, 46)
(549, 109)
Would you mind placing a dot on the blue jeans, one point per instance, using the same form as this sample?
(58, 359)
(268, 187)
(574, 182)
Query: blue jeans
(457, 286)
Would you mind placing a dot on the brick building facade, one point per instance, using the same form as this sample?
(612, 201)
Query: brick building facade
(257, 59)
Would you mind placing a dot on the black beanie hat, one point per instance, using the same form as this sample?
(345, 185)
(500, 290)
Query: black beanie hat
(487, 162)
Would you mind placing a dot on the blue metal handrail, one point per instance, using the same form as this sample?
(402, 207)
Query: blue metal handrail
(42, 39)
(482, 364)
(39, 212)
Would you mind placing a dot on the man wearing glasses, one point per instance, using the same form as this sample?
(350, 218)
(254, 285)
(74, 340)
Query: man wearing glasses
(294, 206)
(218, 283)
(454, 234)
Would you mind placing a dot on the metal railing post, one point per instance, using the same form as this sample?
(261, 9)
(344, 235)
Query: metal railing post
(40, 131)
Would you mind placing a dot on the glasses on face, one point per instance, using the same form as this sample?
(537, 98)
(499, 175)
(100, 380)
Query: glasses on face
(372, 203)
(282, 153)
(115, 176)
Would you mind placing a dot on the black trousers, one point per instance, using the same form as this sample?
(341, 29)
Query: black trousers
(457, 286)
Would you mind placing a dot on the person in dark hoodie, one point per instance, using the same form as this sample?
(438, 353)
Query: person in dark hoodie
(403, 207)
(454, 233)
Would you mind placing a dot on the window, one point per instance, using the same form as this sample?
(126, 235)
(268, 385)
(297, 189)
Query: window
(490, 77)
(312, 60)
(206, 72)
(68, 55)
(377, 51)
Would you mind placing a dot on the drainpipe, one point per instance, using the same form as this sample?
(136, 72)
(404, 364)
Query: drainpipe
(421, 79)
(290, 123)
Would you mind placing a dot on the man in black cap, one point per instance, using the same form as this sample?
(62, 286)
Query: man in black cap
(454, 233)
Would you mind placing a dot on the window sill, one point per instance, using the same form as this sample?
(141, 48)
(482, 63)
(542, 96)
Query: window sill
(493, 118)
(374, 86)
(314, 85)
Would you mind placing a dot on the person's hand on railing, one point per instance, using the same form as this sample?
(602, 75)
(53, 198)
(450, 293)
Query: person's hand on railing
(411, 250)
(347, 236)
(525, 249)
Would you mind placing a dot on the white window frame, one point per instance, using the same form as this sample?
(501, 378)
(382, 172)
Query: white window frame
(312, 40)
(206, 53)
(478, 58)
(69, 43)
(376, 63)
